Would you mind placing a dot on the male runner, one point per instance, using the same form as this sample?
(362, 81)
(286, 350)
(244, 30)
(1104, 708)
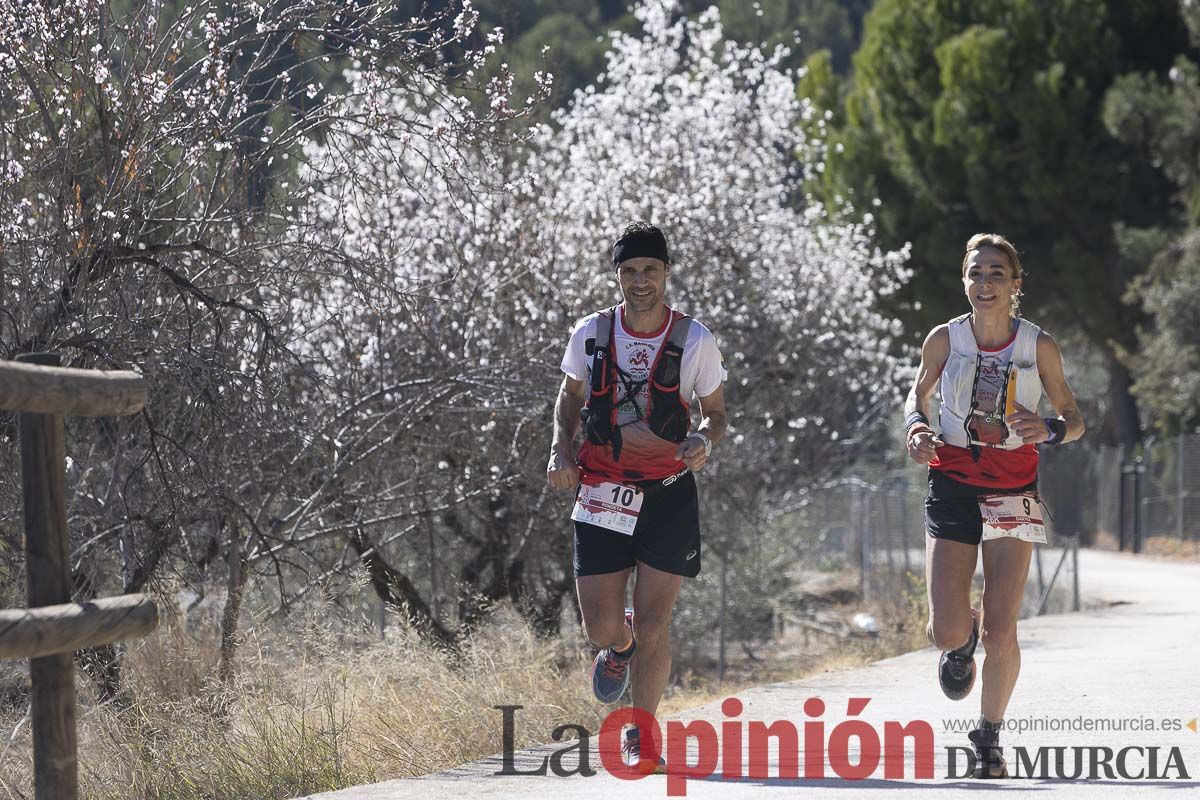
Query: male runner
(631, 373)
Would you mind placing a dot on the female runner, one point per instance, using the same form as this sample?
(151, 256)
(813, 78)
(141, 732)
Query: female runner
(990, 368)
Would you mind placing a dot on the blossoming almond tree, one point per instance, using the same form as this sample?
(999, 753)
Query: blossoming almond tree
(705, 138)
(150, 192)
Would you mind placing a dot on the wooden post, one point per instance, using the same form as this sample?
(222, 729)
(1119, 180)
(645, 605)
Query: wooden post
(1138, 469)
(42, 392)
(1180, 460)
(42, 631)
(884, 496)
(1075, 573)
(48, 568)
(36, 384)
(858, 512)
(1122, 504)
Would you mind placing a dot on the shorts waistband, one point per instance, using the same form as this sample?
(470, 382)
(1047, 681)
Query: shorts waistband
(949, 486)
(652, 487)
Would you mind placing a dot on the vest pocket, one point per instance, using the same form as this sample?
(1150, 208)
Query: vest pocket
(665, 376)
(1029, 386)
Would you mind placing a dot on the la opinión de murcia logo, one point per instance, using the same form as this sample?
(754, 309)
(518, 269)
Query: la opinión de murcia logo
(742, 748)
(737, 737)
(1087, 762)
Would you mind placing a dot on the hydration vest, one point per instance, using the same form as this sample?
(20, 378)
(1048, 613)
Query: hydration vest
(666, 412)
(960, 379)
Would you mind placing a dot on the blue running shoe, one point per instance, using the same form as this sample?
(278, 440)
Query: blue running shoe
(610, 670)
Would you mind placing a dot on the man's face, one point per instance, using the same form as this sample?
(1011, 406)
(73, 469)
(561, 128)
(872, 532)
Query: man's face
(643, 283)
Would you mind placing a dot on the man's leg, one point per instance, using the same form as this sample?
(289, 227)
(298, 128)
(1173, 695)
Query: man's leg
(654, 593)
(1005, 567)
(602, 604)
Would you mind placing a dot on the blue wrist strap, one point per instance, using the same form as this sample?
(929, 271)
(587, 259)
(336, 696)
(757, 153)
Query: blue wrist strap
(1057, 430)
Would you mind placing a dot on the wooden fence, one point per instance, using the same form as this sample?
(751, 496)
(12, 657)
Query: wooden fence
(52, 627)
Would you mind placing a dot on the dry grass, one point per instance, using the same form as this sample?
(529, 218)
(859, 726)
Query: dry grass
(801, 652)
(315, 708)
(1172, 548)
(1168, 547)
(311, 711)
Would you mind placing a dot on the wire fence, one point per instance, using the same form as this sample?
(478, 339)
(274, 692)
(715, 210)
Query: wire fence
(874, 518)
(870, 525)
(1170, 490)
(1128, 496)
(877, 524)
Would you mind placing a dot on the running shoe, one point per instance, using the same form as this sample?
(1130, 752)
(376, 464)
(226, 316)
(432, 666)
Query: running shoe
(989, 756)
(631, 750)
(956, 668)
(631, 747)
(610, 670)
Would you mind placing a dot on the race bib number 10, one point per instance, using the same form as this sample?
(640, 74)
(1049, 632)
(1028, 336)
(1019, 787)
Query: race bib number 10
(1016, 516)
(609, 505)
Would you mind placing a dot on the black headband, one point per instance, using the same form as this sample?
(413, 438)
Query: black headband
(641, 244)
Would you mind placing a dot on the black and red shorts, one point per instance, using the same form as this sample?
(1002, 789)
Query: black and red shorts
(952, 507)
(667, 535)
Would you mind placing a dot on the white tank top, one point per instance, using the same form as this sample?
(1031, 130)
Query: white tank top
(990, 387)
(974, 385)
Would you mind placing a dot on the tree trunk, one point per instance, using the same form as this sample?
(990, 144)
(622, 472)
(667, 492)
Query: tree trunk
(547, 615)
(104, 664)
(1122, 405)
(491, 573)
(397, 590)
(233, 608)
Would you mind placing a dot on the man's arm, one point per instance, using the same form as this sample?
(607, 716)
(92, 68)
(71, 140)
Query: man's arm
(561, 471)
(1026, 423)
(713, 422)
(922, 442)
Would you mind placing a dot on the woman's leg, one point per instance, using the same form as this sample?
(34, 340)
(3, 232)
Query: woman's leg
(1005, 566)
(949, 568)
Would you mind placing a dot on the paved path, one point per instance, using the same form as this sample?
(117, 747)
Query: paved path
(1136, 658)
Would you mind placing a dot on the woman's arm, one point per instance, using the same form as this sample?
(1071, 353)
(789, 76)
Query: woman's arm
(1068, 426)
(921, 440)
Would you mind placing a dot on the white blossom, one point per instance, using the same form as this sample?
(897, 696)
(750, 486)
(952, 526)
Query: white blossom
(696, 133)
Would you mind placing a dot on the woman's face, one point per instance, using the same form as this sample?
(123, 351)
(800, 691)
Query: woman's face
(988, 280)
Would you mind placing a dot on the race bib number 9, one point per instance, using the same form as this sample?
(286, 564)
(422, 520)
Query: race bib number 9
(608, 505)
(1015, 516)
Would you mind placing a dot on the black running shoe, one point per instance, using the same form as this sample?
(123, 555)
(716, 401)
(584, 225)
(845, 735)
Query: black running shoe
(989, 756)
(956, 668)
(610, 673)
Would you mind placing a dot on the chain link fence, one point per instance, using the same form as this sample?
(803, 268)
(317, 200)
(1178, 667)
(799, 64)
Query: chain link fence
(868, 528)
(877, 523)
(1128, 497)
(874, 518)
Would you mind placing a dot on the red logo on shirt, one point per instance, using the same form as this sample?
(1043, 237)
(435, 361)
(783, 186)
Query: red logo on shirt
(640, 359)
